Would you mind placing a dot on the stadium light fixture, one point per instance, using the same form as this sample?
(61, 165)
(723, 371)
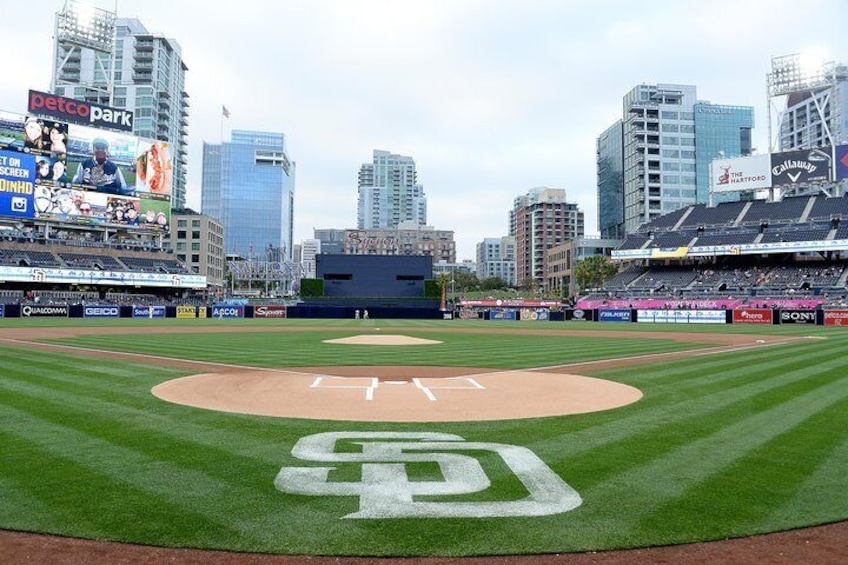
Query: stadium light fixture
(82, 23)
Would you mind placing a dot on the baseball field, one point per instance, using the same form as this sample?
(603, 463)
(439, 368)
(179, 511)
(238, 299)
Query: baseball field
(440, 438)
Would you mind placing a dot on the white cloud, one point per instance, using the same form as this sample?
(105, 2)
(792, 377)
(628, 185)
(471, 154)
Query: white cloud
(490, 97)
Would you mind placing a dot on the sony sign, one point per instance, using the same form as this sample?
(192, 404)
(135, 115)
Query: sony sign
(797, 317)
(79, 111)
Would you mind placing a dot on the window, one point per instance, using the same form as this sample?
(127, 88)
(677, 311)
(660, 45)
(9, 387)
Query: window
(670, 128)
(671, 179)
(667, 115)
(181, 223)
(687, 129)
(195, 258)
(195, 246)
(195, 223)
(670, 166)
(687, 154)
(670, 140)
(671, 153)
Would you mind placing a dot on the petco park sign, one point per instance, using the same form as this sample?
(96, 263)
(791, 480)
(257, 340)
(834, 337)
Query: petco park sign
(79, 111)
(386, 491)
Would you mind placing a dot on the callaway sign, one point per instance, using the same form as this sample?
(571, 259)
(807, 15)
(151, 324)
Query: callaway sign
(387, 491)
(794, 167)
(79, 111)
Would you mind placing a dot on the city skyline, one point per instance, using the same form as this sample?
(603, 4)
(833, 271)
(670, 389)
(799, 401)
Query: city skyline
(491, 99)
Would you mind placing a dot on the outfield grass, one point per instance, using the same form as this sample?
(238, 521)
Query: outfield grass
(720, 446)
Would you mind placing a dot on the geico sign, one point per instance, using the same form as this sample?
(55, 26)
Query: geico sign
(269, 312)
(101, 311)
(78, 111)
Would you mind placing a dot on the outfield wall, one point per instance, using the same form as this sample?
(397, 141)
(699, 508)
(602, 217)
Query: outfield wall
(752, 316)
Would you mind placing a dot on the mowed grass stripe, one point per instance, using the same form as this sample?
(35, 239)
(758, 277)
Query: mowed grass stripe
(172, 475)
(687, 428)
(670, 408)
(764, 477)
(289, 349)
(822, 488)
(649, 487)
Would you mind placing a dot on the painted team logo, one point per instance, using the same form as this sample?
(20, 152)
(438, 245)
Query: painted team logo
(386, 491)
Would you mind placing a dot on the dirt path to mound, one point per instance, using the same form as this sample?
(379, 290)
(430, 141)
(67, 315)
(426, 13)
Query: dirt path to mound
(823, 545)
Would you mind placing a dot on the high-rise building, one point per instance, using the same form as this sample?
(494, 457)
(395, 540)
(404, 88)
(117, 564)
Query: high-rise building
(116, 62)
(248, 184)
(610, 160)
(663, 127)
(496, 259)
(309, 248)
(539, 220)
(389, 193)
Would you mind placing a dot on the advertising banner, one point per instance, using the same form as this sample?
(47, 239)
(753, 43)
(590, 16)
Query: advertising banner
(101, 311)
(221, 311)
(793, 167)
(92, 276)
(616, 315)
(836, 317)
(185, 311)
(17, 184)
(743, 173)
(753, 316)
(62, 156)
(534, 315)
(503, 315)
(201, 311)
(842, 162)
(681, 316)
(579, 315)
(79, 111)
(44, 311)
(273, 311)
(797, 317)
(2, 313)
(148, 312)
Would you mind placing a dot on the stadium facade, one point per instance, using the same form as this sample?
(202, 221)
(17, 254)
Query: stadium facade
(249, 184)
(116, 62)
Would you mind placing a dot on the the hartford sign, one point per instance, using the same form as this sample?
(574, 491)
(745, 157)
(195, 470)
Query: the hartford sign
(79, 111)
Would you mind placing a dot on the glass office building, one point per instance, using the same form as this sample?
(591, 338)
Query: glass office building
(248, 185)
(721, 131)
(610, 160)
(668, 138)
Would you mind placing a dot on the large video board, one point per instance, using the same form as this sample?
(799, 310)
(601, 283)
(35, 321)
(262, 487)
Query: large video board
(82, 175)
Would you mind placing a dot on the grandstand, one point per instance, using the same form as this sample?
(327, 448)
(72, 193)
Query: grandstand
(736, 252)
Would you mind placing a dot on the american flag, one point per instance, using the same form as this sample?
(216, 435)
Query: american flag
(225, 112)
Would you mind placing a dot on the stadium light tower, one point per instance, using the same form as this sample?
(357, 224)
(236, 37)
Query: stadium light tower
(801, 73)
(81, 25)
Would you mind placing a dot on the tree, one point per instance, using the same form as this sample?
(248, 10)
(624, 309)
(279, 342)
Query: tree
(592, 271)
(493, 283)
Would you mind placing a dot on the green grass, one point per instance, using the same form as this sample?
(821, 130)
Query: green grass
(720, 446)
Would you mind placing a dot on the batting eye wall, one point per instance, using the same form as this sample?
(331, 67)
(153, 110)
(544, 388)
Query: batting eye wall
(374, 275)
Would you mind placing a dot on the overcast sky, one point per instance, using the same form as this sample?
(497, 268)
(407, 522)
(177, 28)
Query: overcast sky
(490, 97)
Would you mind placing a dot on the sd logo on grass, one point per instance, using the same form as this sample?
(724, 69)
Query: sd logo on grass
(386, 490)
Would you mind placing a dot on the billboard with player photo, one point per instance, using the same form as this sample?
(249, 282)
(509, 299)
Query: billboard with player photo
(103, 161)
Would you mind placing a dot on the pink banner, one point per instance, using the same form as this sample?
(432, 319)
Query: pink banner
(701, 304)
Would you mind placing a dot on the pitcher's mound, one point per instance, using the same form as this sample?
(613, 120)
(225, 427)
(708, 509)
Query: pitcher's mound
(382, 339)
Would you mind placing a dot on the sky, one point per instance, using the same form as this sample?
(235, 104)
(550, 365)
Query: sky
(490, 97)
